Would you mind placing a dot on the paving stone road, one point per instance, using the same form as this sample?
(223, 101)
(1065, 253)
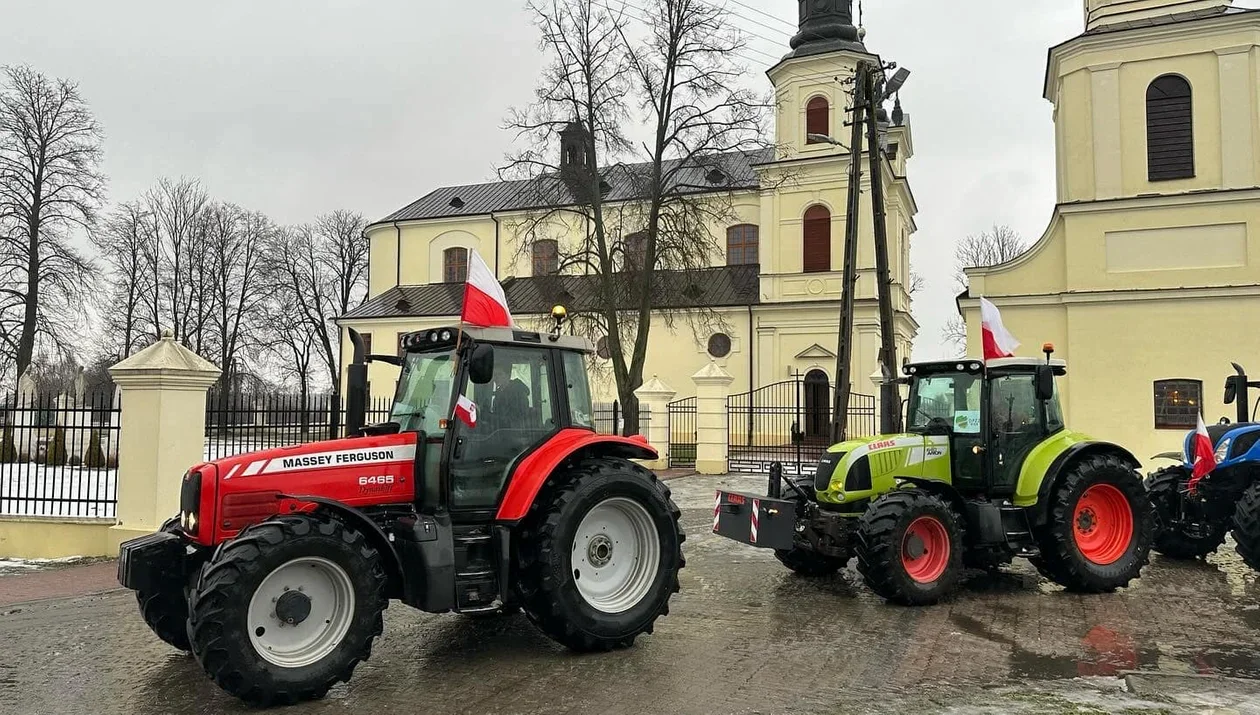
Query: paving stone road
(744, 636)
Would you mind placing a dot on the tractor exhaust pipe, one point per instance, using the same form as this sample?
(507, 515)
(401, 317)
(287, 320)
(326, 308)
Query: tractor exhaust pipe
(356, 386)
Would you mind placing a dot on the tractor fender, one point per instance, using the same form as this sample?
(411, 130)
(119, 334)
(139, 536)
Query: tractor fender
(372, 531)
(941, 489)
(533, 468)
(1065, 460)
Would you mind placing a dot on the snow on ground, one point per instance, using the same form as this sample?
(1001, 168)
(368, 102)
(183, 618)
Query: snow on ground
(12, 566)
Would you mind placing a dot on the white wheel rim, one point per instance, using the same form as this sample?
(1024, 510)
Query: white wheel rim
(616, 554)
(311, 581)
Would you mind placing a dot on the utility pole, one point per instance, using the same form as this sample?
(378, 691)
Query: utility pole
(844, 348)
(890, 396)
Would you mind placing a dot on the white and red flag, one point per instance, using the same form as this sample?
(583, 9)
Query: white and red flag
(998, 341)
(1201, 451)
(485, 304)
(466, 411)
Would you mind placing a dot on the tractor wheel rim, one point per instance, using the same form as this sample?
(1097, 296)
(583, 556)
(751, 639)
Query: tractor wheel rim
(300, 612)
(616, 555)
(925, 549)
(1102, 524)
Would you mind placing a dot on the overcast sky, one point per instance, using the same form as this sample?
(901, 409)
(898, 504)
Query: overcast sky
(297, 107)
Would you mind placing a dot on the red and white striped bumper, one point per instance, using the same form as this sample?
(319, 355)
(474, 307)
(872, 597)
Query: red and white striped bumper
(755, 520)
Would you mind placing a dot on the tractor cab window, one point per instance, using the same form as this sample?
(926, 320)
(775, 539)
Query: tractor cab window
(422, 401)
(947, 400)
(1016, 426)
(515, 411)
(578, 390)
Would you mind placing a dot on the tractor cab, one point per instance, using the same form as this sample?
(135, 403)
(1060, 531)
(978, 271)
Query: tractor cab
(521, 388)
(993, 413)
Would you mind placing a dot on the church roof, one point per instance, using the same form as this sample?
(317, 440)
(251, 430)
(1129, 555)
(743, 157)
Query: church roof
(1172, 18)
(626, 182)
(723, 286)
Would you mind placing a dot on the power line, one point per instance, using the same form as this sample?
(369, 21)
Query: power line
(763, 12)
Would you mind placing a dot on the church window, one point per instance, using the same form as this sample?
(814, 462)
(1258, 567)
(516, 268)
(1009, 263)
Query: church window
(601, 348)
(817, 118)
(817, 243)
(1178, 403)
(719, 345)
(636, 250)
(455, 265)
(546, 258)
(741, 245)
(1169, 129)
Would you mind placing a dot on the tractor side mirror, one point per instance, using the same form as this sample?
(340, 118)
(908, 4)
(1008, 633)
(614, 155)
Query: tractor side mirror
(481, 364)
(1231, 391)
(1045, 382)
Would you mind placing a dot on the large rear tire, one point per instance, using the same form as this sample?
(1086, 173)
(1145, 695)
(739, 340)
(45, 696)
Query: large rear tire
(910, 547)
(1247, 527)
(1175, 536)
(287, 609)
(165, 610)
(1100, 527)
(599, 554)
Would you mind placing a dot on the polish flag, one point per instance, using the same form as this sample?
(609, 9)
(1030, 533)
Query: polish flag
(998, 341)
(466, 411)
(1204, 457)
(485, 304)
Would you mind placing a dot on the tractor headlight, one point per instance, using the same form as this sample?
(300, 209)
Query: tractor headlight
(190, 502)
(1222, 450)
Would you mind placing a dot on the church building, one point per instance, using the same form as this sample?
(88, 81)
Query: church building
(774, 286)
(1148, 276)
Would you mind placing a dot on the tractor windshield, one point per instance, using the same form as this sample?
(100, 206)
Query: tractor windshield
(951, 399)
(423, 399)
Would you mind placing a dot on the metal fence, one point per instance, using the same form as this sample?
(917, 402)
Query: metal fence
(789, 422)
(247, 422)
(59, 455)
(610, 420)
(682, 433)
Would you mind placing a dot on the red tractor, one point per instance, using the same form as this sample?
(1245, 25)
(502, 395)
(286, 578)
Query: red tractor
(278, 568)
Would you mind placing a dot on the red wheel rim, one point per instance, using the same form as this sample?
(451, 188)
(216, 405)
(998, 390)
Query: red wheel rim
(925, 549)
(1103, 524)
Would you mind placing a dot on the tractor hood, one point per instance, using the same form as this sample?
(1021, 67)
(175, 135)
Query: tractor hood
(861, 468)
(228, 494)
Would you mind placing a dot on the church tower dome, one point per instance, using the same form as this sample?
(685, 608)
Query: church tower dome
(826, 26)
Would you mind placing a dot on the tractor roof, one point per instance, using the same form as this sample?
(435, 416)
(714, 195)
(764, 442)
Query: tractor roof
(976, 365)
(444, 337)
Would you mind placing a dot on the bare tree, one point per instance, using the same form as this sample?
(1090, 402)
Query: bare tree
(320, 273)
(989, 248)
(122, 241)
(50, 150)
(235, 246)
(681, 83)
(176, 208)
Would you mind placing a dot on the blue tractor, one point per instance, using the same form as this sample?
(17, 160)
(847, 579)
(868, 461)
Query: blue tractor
(1194, 525)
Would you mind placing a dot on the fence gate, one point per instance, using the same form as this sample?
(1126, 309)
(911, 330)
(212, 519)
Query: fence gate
(789, 422)
(682, 433)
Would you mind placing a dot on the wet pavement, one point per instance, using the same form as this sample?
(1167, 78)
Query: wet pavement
(744, 636)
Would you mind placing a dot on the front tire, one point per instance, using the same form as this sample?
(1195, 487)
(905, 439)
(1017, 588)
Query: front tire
(1174, 536)
(1100, 528)
(165, 610)
(910, 547)
(599, 554)
(1247, 527)
(287, 609)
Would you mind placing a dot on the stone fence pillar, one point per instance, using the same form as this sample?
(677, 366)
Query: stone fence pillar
(162, 433)
(713, 385)
(655, 395)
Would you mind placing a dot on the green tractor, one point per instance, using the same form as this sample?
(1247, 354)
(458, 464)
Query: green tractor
(986, 471)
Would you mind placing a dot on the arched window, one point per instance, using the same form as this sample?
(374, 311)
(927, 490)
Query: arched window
(1178, 403)
(1169, 129)
(817, 244)
(817, 118)
(546, 258)
(741, 245)
(455, 265)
